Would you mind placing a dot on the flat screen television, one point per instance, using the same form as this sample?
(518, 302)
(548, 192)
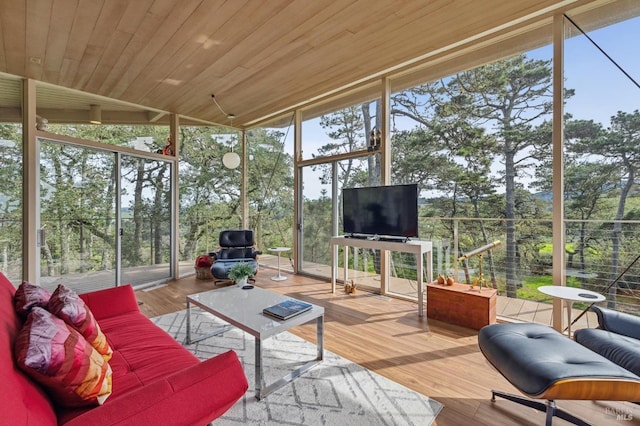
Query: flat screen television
(384, 211)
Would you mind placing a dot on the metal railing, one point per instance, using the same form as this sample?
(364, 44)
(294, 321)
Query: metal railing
(598, 252)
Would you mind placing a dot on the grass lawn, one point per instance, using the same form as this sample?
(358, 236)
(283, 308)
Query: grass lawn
(529, 289)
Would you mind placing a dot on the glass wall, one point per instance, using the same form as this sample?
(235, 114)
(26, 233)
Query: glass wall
(270, 189)
(145, 220)
(473, 141)
(316, 224)
(11, 193)
(602, 159)
(86, 243)
(350, 139)
(11, 163)
(77, 217)
(341, 125)
(209, 191)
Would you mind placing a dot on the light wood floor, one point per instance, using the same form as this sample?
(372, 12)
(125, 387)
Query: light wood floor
(387, 336)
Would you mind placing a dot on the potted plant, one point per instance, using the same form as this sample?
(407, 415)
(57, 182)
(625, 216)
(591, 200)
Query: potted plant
(240, 272)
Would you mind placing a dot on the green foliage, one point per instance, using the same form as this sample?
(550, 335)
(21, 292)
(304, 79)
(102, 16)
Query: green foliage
(270, 188)
(317, 230)
(529, 289)
(464, 126)
(240, 270)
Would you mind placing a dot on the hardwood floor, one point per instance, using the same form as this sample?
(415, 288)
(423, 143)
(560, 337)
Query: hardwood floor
(386, 335)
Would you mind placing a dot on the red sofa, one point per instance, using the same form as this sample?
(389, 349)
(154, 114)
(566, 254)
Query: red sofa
(155, 380)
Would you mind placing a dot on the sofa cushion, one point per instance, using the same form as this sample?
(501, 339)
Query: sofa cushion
(29, 295)
(620, 349)
(58, 357)
(68, 306)
(142, 352)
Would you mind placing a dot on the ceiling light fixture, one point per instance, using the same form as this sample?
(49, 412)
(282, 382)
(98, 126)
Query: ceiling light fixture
(95, 114)
(231, 160)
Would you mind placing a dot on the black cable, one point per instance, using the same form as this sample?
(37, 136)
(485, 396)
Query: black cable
(606, 289)
(267, 187)
(603, 52)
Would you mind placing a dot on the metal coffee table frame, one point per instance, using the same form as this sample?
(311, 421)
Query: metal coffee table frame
(243, 309)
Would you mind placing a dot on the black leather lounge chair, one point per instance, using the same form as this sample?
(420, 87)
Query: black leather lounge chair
(236, 245)
(617, 338)
(546, 365)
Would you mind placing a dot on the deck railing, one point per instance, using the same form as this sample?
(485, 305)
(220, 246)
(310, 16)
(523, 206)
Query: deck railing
(600, 256)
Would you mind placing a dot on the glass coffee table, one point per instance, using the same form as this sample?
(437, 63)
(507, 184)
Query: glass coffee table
(243, 309)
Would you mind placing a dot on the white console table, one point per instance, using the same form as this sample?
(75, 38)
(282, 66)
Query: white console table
(419, 248)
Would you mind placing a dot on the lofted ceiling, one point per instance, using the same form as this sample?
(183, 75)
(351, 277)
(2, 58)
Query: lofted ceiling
(143, 59)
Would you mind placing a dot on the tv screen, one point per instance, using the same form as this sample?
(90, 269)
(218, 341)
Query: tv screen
(381, 210)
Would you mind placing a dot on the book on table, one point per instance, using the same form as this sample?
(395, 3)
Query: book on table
(287, 309)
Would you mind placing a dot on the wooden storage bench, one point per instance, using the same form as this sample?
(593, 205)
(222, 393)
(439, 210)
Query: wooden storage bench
(457, 304)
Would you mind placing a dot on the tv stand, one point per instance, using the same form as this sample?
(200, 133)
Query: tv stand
(377, 238)
(419, 248)
(357, 236)
(393, 239)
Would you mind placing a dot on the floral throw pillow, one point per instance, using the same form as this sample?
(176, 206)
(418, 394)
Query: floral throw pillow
(28, 296)
(55, 355)
(67, 305)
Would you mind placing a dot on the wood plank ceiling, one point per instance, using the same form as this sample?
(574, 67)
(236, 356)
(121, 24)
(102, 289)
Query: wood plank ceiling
(259, 58)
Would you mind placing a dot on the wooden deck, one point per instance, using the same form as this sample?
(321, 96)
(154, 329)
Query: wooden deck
(387, 336)
(508, 309)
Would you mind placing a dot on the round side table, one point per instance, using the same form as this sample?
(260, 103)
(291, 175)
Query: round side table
(278, 250)
(570, 295)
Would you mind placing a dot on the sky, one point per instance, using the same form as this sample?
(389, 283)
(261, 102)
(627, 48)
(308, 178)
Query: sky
(601, 89)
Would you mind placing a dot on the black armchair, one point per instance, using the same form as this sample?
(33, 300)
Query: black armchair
(617, 338)
(236, 245)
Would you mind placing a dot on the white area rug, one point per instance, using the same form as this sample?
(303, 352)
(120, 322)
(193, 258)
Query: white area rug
(336, 392)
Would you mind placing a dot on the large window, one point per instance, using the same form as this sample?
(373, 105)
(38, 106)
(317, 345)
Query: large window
(145, 219)
(209, 191)
(11, 193)
(11, 162)
(270, 187)
(86, 242)
(77, 216)
(316, 223)
(602, 159)
(473, 141)
(344, 143)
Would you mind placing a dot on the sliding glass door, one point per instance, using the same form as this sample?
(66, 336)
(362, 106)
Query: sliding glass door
(146, 219)
(77, 216)
(104, 217)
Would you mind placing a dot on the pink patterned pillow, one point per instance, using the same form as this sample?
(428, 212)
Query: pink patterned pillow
(29, 295)
(59, 358)
(67, 305)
